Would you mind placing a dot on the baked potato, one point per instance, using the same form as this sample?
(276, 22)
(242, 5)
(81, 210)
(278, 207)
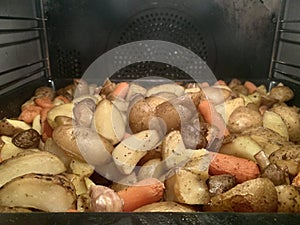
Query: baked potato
(257, 195)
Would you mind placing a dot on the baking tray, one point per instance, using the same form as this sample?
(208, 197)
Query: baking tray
(10, 103)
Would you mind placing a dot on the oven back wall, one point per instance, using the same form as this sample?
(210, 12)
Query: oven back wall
(234, 37)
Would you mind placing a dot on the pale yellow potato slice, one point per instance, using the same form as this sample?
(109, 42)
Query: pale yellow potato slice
(242, 146)
(60, 110)
(41, 162)
(228, 107)
(127, 153)
(274, 122)
(108, 121)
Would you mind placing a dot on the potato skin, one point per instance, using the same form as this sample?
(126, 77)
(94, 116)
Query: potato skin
(167, 206)
(243, 118)
(287, 156)
(291, 118)
(142, 112)
(257, 195)
(288, 199)
(281, 93)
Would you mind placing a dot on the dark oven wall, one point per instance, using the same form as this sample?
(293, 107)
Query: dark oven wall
(235, 37)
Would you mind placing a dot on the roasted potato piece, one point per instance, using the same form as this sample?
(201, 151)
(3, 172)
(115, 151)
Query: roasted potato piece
(44, 92)
(142, 114)
(228, 107)
(84, 112)
(172, 87)
(187, 188)
(290, 117)
(81, 168)
(152, 168)
(274, 122)
(27, 139)
(288, 199)
(49, 193)
(243, 118)
(281, 93)
(8, 129)
(8, 149)
(60, 110)
(269, 140)
(83, 143)
(167, 206)
(127, 153)
(7, 209)
(287, 156)
(217, 94)
(108, 121)
(30, 162)
(242, 146)
(257, 195)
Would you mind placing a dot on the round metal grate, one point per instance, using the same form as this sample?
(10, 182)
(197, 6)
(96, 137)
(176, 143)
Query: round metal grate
(67, 64)
(164, 24)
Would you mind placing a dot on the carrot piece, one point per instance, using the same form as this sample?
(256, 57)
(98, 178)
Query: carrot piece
(221, 82)
(29, 113)
(212, 117)
(44, 102)
(141, 193)
(72, 210)
(242, 169)
(121, 90)
(250, 86)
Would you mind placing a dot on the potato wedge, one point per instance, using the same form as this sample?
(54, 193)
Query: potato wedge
(30, 162)
(8, 149)
(167, 206)
(7, 209)
(288, 199)
(241, 146)
(18, 124)
(187, 188)
(49, 193)
(78, 183)
(287, 157)
(257, 195)
(273, 121)
(108, 121)
(60, 110)
(83, 143)
(228, 107)
(135, 89)
(81, 168)
(127, 154)
(172, 87)
(290, 117)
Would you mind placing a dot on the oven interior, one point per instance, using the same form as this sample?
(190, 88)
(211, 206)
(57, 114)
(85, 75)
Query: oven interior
(50, 42)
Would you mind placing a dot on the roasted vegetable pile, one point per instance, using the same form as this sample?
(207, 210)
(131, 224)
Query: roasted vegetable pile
(166, 147)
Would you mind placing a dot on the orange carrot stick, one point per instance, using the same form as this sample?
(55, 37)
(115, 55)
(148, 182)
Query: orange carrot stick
(142, 193)
(250, 86)
(44, 102)
(242, 169)
(29, 113)
(212, 117)
(121, 90)
(221, 82)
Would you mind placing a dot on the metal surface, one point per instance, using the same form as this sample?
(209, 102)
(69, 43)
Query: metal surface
(22, 58)
(149, 218)
(286, 53)
(234, 37)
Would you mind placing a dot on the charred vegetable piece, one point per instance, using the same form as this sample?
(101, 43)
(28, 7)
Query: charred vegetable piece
(49, 193)
(27, 139)
(30, 162)
(220, 183)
